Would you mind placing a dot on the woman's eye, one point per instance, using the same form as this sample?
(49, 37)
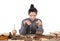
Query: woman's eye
(32, 15)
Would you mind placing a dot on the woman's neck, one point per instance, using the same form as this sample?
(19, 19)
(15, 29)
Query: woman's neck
(32, 19)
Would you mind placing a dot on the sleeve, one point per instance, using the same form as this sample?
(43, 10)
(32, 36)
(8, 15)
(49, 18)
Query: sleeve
(40, 28)
(22, 30)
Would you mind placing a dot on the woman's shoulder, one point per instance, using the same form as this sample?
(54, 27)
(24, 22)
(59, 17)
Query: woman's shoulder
(38, 19)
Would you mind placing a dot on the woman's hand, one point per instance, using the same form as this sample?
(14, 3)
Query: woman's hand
(38, 23)
(27, 22)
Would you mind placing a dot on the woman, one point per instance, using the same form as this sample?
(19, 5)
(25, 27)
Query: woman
(32, 24)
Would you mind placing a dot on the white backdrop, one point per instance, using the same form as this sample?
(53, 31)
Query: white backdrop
(14, 11)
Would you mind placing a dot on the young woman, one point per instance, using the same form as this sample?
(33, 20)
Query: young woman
(32, 24)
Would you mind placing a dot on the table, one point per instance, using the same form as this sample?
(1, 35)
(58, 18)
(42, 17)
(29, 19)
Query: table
(27, 38)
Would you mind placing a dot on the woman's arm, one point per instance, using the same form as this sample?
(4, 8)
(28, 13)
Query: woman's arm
(40, 28)
(22, 30)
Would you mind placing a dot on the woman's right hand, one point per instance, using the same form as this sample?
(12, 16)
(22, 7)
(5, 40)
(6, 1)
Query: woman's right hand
(27, 22)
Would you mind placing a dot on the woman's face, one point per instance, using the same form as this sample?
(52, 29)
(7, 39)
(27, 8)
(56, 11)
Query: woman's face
(32, 15)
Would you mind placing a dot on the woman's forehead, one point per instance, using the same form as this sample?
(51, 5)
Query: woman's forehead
(32, 13)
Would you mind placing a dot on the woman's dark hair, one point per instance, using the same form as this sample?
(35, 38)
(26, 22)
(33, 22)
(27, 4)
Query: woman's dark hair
(32, 9)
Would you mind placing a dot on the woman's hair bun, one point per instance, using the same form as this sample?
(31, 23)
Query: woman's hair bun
(32, 9)
(32, 6)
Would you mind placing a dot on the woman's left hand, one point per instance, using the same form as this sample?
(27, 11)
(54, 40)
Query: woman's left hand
(38, 23)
